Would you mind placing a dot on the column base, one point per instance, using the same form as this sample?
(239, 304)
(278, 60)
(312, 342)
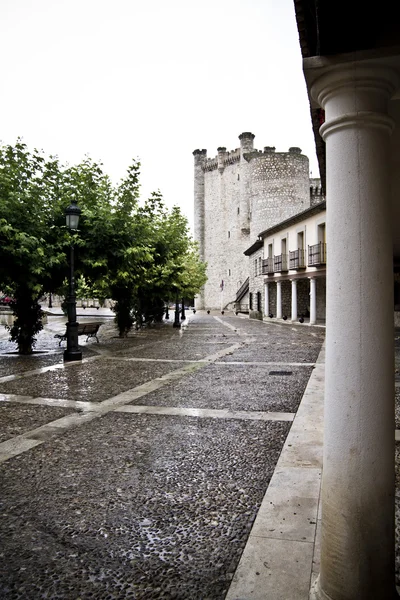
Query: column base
(74, 355)
(317, 594)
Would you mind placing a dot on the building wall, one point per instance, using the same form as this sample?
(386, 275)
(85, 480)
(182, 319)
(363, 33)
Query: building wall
(237, 195)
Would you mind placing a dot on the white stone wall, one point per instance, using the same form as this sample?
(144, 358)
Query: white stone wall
(224, 240)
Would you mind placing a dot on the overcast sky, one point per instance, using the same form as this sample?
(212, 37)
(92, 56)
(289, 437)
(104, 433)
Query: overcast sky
(153, 79)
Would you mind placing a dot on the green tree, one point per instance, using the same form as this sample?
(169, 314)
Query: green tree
(138, 254)
(32, 245)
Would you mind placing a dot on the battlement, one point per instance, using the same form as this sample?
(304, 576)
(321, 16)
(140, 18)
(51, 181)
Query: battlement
(223, 158)
(316, 192)
(246, 150)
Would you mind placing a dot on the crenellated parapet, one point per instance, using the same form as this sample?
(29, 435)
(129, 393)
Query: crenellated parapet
(317, 194)
(222, 160)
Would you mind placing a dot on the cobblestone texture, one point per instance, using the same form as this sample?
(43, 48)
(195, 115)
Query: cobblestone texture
(16, 419)
(238, 387)
(81, 381)
(166, 516)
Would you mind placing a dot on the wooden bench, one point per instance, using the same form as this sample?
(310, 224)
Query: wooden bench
(88, 329)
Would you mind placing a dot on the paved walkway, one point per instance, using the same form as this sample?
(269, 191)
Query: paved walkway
(155, 469)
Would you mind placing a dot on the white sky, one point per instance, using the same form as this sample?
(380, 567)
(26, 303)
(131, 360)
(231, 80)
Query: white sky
(153, 79)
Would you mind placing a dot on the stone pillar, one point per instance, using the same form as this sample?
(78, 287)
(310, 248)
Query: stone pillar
(200, 157)
(313, 300)
(266, 300)
(357, 548)
(294, 299)
(279, 300)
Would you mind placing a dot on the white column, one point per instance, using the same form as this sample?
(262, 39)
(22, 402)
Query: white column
(357, 548)
(294, 299)
(266, 300)
(278, 300)
(313, 300)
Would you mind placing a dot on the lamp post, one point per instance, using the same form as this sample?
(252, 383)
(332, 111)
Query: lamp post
(72, 351)
(177, 323)
(183, 315)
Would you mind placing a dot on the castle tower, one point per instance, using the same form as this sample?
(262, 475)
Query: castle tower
(237, 195)
(279, 186)
(200, 157)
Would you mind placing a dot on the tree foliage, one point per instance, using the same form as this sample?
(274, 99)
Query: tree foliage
(138, 254)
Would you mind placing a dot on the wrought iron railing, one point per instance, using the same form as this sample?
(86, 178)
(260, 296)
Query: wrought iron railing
(280, 263)
(267, 266)
(317, 254)
(242, 290)
(297, 259)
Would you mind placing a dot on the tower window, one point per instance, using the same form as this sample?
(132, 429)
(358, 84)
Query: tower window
(238, 210)
(229, 234)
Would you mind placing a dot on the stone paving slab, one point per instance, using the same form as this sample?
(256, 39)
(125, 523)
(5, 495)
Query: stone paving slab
(134, 506)
(16, 419)
(91, 382)
(274, 569)
(239, 387)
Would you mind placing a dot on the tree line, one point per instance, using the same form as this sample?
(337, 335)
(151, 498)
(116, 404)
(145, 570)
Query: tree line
(137, 253)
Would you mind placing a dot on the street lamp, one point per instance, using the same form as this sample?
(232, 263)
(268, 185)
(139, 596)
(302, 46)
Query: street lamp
(72, 351)
(183, 316)
(176, 321)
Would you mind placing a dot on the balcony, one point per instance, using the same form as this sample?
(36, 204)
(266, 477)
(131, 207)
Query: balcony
(317, 255)
(281, 263)
(267, 266)
(297, 259)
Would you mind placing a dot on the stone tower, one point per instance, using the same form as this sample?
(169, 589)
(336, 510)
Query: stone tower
(237, 195)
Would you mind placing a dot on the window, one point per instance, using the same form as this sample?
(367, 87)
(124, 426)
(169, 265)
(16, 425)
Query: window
(255, 267)
(250, 301)
(300, 240)
(259, 266)
(238, 210)
(259, 301)
(321, 233)
(229, 272)
(270, 251)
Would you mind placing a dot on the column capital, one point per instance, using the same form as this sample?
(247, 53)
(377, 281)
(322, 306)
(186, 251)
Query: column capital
(347, 78)
(355, 95)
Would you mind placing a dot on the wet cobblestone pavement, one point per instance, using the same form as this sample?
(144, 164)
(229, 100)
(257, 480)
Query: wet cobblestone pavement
(143, 506)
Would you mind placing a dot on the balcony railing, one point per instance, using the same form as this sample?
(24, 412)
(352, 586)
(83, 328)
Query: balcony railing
(267, 266)
(317, 255)
(297, 259)
(280, 263)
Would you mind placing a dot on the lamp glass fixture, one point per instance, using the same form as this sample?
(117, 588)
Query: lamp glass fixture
(72, 215)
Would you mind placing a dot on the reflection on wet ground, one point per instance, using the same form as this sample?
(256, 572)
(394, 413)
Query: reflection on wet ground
(115, 505)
